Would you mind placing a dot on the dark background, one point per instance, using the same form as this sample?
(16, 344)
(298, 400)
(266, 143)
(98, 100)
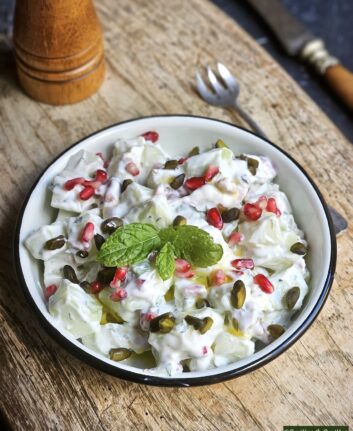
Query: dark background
(331, 20)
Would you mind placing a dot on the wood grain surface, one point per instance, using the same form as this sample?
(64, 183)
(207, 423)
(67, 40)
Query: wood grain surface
(153, 48)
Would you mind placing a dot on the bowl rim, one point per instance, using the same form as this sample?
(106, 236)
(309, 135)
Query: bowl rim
(177, 381)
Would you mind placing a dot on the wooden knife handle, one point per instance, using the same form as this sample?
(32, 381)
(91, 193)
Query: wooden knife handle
(341, 82)
(339, 79)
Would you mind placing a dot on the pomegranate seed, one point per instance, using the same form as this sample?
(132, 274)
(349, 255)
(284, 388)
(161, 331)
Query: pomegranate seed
(92, 183)
(235, 238)
(151, 136)
(195, 183)
(272, 207)
(182, 160)
(187, 274)
(243, 263)
(119, 276)
(214, 218)
(70, 184)
(238, 273)
(86, 193)
(204, 350)
(101, 176)
(149, 316)
(261, 202)
(118, 295)
(211, 172)
(50, 290)
(218, 277)
(87, 232)
(182, 265)
(96, 287)
(252, 212)
(264, 283)
(132, 169)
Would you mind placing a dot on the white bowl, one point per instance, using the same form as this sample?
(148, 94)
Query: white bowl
(178, 134)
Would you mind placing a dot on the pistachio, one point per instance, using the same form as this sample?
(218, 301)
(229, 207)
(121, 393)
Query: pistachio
(171, 164)
(295, 315)
(119, 354)
(202, 303)
(169, 295)
(253, 164)
(207, 323)
(178, 181)
(110, 225)
(227, 318)
(106, 275)
(163, 323)
(82, 254)
(186, 365)
(201, 325)
(125, 184)
(55, 243)
(70, 274)
(194, 152)
(298, 248)
(86, 286)
(179, 221)
(193, 321)
(166, 325)
(235, 324)
(238, 294)
(230, 215)
(275, 331)
(98, 240)
(292, 297)
(220, 144)
(269, 270)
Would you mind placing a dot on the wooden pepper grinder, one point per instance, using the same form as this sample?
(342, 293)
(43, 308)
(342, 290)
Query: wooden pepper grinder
(59, 49)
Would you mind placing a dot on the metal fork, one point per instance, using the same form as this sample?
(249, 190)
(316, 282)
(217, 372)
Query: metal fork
(226, 94)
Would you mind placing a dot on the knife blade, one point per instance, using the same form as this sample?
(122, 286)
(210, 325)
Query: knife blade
(292, 35)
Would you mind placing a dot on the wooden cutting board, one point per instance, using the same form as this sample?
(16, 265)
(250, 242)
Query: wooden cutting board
(153, 48)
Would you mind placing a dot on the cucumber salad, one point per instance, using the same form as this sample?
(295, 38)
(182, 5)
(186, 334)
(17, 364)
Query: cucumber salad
(192, 262)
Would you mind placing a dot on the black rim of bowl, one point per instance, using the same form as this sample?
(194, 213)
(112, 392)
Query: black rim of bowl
(179, 381)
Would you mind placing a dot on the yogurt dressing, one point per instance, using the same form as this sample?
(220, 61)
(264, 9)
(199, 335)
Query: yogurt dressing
(108, 315)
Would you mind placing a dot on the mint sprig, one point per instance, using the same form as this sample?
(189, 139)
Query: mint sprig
(133, 243)
(192, 244)
(129, 244)
(165, 261)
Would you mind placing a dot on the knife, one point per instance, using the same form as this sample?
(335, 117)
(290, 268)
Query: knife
(300, 42)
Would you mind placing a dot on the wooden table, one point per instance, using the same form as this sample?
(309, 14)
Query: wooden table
(153, 48)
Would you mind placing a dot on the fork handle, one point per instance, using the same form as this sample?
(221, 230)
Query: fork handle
(255, 127)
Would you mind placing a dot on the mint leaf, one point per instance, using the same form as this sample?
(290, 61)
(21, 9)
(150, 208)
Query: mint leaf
(129, 244)
(167, 235)
(193, 244)
(165, 262)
